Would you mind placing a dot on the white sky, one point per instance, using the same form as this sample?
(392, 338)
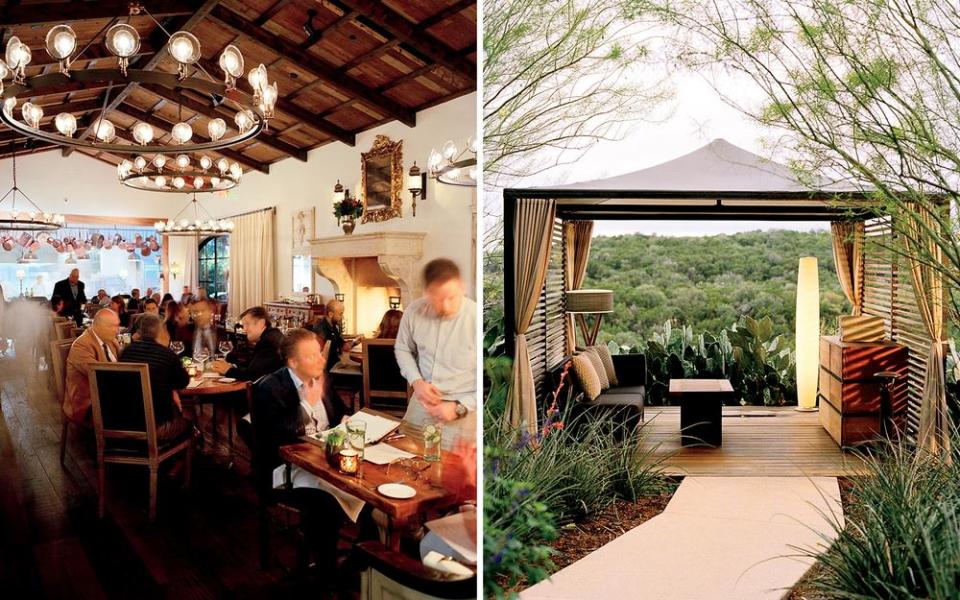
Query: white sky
(696, 115)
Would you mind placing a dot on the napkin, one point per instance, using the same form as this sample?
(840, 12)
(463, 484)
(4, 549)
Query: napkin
(437, 561)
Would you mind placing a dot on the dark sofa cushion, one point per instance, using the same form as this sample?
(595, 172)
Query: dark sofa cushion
(638, 390)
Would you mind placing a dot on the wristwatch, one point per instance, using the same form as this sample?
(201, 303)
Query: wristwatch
(461, 410)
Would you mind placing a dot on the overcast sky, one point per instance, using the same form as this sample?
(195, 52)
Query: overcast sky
(695, 116)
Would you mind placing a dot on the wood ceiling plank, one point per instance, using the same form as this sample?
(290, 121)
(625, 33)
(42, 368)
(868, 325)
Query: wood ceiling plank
(47, 14)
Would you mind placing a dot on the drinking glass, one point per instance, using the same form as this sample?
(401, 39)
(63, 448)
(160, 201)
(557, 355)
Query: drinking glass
(356, 435)
(432, 435)
(177, 346)
(201, 357)
(225, 347)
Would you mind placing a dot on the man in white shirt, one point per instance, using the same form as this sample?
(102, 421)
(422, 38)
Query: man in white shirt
(437, 353)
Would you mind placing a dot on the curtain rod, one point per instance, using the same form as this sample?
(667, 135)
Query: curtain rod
(251, 212)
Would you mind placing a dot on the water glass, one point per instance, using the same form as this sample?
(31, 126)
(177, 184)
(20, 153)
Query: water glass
(356, 435)
(225, 347)
(432, 435)
(177, 347)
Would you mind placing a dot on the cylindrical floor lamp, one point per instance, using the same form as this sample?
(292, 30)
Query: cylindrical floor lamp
(585, 302)
(808, 333)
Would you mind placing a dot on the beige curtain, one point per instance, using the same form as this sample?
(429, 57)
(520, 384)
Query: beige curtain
(848, 257)
(531, 234)
(252, 267)
(191, 266)
(577, 236)
(935, 426)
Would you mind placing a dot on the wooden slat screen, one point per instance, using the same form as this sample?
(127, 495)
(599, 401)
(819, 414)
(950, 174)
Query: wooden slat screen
(888, 293)
(546, 338)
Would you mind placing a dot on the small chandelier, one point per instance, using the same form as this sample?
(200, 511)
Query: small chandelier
(25, 218)
(182, 227)
(123, 41)
(180, 174)
(454, 166)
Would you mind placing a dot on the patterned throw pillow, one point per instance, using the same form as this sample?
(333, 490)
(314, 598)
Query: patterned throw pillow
(586, 376)
(591, 354)
(607, 361)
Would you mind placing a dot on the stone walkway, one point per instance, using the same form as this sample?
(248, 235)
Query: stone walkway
(720, 538)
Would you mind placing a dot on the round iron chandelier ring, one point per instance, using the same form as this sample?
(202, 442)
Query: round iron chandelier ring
(9, 223)
(458, 173)
(40, 84)
(148, 182)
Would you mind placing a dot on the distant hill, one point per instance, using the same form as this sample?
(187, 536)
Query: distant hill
(708, 282)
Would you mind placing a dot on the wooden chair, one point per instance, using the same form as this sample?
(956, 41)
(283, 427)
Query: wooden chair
(59, 349)
(384, 388)
(132, 437)
(64, 330)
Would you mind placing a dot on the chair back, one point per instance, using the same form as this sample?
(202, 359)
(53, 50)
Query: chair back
(122, 403)
(382, 381)
(59, 349)
(64, 330)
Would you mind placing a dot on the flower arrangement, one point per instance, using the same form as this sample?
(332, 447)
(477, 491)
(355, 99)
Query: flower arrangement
(347, 209)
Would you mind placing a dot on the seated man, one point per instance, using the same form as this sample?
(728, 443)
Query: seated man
(265, 357)
(56, 305)
(150, 306)
(166, 375)
(289, 403)
(436, 352)
(96, 344)
(202, 333)
(103, 298)
(329, 328)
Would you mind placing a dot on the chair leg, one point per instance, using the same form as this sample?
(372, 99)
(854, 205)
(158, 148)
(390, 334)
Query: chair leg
(101, 479)
(188, 468)
(152, 515)
(63, 440)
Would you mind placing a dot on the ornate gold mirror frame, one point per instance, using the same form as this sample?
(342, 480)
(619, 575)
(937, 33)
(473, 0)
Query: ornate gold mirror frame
(381, 182)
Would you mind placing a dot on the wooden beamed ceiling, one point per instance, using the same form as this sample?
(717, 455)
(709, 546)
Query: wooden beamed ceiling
(341, 66)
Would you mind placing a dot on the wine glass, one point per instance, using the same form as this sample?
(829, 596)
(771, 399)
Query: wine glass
(201, 357)
(177, 346)
(225, 347)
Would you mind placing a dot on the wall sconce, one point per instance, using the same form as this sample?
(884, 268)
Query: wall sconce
(394, 302)
(20, 276)
(417, 184)
(174, 270)
(340, 297)
(338, 193)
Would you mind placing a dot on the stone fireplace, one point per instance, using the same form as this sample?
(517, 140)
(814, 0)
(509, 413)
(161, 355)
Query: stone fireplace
(369, 268)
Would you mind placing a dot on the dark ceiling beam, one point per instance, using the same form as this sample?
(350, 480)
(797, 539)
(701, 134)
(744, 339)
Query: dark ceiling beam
(399, 27)
(158, 40)
(444, 14)
(293, 110)
(61, 12)
(51, 110)
(165, 126)
(210, 112)
(322, 34)
(271, 12)
(317, 67)
(6, 150)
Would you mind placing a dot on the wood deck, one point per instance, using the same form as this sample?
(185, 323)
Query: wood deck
(757, 441)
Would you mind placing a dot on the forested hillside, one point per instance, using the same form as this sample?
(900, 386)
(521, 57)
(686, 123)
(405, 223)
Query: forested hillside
(708, 282)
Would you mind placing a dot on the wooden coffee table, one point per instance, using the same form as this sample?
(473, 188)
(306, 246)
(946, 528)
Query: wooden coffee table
(701, 409)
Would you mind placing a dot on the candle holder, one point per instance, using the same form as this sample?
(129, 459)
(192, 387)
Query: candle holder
(349, 461)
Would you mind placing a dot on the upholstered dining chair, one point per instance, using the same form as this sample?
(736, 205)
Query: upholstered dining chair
(384, 388)
(59, 349)
(129, 436)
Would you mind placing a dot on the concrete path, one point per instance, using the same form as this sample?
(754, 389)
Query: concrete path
(720, 538)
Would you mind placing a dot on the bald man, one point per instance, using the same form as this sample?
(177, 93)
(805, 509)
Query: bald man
(97, 344)
(330, 328)
(74, 298)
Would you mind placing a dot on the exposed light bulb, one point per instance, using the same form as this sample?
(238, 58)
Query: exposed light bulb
(31, 114)
(178, 182)
(223, 164)
(244, 120)
(216, 128)
(66, 124)
(160, 181)
(61, 42)
(183, 161)
(142, 133)
(214, 181)
(449, 150)
(140, 163)
(104, 130)
(205, 162)
(257, 78)
(181, 133)
(159, 161)
(235, 170)
(184, 47)
(123, 41)
(198, 182)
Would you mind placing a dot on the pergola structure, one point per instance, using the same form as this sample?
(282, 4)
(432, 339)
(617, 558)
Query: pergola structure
(547, 241)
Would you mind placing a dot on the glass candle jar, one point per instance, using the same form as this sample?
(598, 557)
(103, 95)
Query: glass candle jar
(349, 461)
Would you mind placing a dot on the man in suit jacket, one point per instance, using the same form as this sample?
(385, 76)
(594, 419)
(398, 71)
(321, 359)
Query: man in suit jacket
(166, 375)
(265, 357)
(74, 298)
(289, 403)
(202, 333)
(96, 344)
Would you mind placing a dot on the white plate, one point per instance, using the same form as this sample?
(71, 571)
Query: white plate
(397, 490)
(226, 380)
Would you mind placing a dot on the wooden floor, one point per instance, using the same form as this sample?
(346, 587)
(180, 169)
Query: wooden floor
(203, 545)
(757, 441)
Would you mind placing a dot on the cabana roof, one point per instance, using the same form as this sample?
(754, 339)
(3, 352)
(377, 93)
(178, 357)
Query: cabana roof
(719, 180)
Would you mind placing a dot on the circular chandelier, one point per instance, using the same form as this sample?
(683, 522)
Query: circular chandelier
(123, 41)
(25, 218)
(199, 226)
(454, 166)
(183, 175)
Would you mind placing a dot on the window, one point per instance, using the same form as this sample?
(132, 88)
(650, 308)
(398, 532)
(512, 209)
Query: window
(214, 256)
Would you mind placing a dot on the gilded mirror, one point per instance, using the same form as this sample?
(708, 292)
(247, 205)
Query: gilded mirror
(381, 181)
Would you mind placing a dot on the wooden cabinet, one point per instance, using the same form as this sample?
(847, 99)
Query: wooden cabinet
(850, 392)
(300, 312)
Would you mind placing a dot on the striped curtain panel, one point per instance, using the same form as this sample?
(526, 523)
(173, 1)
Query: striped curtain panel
(848, 257)
(577, 237)
(531, 234)
(252, 271)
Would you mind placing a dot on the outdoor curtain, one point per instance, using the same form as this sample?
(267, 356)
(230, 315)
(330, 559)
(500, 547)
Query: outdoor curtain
(577, 236)
(252, 278)
(848, 257)
(532, 229)
(928, 287)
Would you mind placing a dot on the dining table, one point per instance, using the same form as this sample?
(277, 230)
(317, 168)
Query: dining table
(211, 388)
(431, 498)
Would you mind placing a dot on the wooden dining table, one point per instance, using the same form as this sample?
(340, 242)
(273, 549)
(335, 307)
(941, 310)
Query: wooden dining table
(212, 391)
(431, 496)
